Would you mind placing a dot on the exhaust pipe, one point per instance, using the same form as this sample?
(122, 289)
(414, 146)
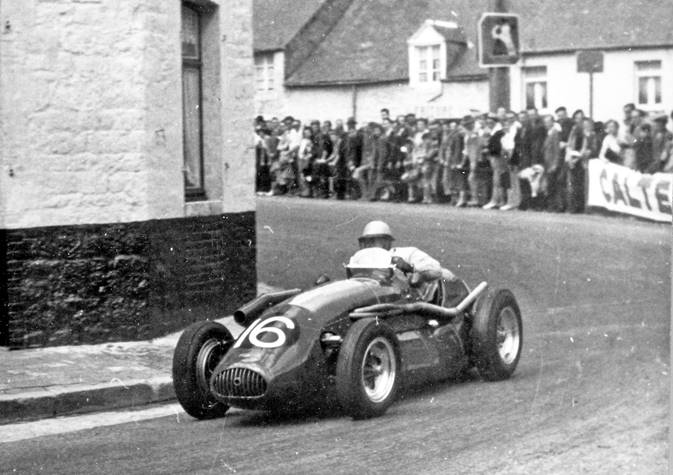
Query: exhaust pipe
(419, 308)
(253, 309)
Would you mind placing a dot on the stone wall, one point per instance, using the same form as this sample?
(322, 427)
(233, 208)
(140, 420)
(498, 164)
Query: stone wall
(73, 103)
(128, 281)
(90, 99)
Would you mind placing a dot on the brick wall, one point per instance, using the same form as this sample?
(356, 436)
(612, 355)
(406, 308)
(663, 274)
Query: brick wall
(124, 281)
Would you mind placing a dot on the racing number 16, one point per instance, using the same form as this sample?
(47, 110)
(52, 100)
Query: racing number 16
(258, 327)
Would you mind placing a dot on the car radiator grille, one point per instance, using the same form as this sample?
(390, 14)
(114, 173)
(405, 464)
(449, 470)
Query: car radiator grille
(239, 382)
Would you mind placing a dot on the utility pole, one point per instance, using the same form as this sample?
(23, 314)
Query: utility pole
(498, 77)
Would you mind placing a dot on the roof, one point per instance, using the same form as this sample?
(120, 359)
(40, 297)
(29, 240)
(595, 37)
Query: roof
(369, 43)
(275, 22)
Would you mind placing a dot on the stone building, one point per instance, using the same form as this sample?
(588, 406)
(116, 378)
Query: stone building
(353, 57)
(126, 167)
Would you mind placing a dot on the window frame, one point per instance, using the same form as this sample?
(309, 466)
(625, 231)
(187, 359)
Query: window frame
(194, 193)
(425, 53)
(268, 68)
(532, 75)
(641, 71)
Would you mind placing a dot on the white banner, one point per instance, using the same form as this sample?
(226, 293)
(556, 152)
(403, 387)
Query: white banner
(623, 190)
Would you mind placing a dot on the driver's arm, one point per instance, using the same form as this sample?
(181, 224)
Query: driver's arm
(426, 267)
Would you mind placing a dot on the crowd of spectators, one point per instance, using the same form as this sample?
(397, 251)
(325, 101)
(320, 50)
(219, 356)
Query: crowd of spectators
(502, 160)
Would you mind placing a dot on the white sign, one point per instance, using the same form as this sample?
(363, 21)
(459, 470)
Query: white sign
(623, 190)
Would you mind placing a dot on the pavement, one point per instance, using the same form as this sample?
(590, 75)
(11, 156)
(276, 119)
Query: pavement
(46, 382)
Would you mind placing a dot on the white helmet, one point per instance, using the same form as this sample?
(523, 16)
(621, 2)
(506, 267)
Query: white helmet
(376, 229)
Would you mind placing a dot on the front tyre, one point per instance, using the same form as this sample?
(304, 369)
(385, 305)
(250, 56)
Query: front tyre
(368, 369)
(496, 335)
(200, 348)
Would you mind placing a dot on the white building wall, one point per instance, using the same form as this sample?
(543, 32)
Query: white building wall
(614, 87)
(453, 99)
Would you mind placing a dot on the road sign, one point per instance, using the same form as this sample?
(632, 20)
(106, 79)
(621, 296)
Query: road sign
(590, 61)
(498, 40)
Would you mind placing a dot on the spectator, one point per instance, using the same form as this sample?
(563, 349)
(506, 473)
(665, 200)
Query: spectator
(626, 137)
(339, 127)
(305, 157)
(429, 167)
(494, 152)
(553, 167)
(322, 148)
(645, 162)
(472, 153)
(449, 129)
(326, 127)
(611, 149)
(385, 114)
(458, 165)
(400, 144)
(525, 149)
(381, 156)
(489, 156)
(365, 173)
(413, 175)
(581, 146)
(512, 145)
(661, 141)
(390, 170)
(565, 124)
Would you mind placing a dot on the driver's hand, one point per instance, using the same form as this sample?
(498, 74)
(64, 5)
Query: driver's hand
(402, 265)
(415, 280)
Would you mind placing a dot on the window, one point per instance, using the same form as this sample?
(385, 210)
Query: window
(264, 72)
(535, 87)
(429, 63)
(191, 103)
(648, 83)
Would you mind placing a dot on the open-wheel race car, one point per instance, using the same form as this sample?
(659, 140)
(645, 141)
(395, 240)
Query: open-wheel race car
(354, 342)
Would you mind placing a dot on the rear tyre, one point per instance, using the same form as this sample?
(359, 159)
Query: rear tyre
(200, 348)
(368, 369)
(496, 335)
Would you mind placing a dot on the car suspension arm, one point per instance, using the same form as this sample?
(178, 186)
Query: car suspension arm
(425, 309)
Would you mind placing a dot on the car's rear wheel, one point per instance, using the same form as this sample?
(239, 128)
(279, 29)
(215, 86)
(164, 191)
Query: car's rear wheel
(368, 369)
(496, 335)
(200, 348)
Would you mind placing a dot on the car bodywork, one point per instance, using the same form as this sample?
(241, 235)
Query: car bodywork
(286, 357)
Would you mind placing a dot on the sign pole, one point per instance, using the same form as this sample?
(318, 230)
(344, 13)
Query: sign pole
(498, 77)
(590, 61)
(591, 94)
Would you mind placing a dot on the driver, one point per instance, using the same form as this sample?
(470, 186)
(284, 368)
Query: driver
(425, 271)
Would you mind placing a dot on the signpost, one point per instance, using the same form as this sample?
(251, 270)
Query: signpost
(499, 48)
(590, 61)
(498, 40)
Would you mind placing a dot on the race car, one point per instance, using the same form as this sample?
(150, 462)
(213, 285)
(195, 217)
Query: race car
(354, 342)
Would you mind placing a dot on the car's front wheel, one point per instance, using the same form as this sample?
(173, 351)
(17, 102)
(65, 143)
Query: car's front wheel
(200, 348)
(368, 369)
(497, 335)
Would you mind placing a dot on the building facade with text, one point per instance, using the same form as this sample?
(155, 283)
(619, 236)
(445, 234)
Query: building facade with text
(351, 58)
(127, 173)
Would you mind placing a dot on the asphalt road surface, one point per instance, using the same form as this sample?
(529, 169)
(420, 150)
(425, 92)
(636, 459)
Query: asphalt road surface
(590, 394)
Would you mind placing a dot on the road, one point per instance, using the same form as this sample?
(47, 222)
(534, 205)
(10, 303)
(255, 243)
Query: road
(590, 394)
